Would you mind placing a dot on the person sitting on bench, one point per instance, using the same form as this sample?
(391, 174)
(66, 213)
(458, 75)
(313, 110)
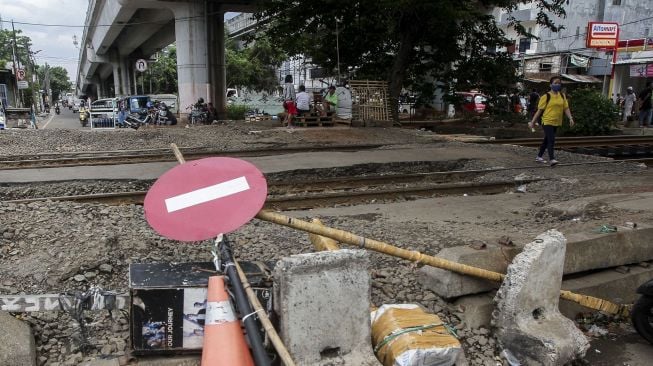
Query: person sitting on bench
(303, 100)
(330, 101)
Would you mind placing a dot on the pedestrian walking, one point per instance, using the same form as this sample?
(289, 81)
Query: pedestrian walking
(645, 106)
(629, 102)
(289, 100)
(551, 108)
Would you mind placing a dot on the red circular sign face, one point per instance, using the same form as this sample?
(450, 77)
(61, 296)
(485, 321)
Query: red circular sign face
(200, 199)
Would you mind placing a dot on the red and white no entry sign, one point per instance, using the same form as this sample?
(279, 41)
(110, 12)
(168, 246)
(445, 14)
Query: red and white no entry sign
(200, 199)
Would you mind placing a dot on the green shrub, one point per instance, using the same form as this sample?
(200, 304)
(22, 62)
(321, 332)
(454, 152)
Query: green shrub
(236, 111)
(593, 114)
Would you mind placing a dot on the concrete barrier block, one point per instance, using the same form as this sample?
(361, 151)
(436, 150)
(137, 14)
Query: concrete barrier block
(17, 345)
(449, 285)
(526, 319)
(626, 246)
(477, 308)
(323, 304)
(607, 284)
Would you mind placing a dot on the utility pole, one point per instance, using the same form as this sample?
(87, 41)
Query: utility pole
(338, 50)
(18, 93)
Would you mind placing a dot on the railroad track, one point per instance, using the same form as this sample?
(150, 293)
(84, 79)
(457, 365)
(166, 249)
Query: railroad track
(583, 141)
(55, 160)
(335, 191)
(323, 192)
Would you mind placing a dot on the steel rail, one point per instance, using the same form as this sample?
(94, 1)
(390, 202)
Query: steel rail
(149, 156)
(297, 191)
(285, 201)
(582, 141)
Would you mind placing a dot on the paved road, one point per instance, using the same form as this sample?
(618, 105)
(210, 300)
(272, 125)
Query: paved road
(66, 120)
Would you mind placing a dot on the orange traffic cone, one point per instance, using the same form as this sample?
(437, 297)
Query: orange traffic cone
(224, 342)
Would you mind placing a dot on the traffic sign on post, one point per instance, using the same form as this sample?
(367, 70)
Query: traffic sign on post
(200, 199)
(141, 65)
(20, 74)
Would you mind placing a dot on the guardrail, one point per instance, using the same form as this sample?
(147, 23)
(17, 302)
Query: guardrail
(103, 118)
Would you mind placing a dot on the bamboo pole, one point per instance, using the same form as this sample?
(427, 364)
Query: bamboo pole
(322, 243)
(417, 257)
(265, 321)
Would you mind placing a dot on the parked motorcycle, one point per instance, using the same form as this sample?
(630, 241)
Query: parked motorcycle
(135, 121)
(164, 116)
(198, 112)
(642, 312)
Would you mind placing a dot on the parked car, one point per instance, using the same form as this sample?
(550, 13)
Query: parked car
(472, 101)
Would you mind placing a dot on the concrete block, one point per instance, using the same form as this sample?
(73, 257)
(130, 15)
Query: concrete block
(448, 284)
(607, 284)
(17, 345)
(626, 246)
(527, 320)
(323, 304)
(478, 309)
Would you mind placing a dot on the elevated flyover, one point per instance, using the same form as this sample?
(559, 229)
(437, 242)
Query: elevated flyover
(119, 32)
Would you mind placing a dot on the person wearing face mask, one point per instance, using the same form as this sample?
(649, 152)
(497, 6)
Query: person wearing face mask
(551, 108)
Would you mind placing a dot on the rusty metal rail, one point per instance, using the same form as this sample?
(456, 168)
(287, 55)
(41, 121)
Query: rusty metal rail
(583, 141)
(52, 160)
(329, 192)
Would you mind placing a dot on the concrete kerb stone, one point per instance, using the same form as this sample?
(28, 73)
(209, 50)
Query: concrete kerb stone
(619, 288)
(607, 284)
(626, 246)
(449, 285)
(323, 304)
(527, 321)
(17, 345)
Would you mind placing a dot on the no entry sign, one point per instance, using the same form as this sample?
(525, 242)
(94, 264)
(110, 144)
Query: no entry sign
(200, 199)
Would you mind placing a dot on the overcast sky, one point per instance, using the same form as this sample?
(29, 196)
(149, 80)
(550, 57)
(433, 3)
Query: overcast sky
(54, 42)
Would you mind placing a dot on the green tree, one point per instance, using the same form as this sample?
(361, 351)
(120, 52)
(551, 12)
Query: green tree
(405, 42)
(162, 73)
(59, 79)
(23, 44)
(253, 67)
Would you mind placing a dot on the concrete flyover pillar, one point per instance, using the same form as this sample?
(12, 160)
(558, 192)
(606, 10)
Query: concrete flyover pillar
(125, 83)
(216, 58)
(190, 35)
(115, 66)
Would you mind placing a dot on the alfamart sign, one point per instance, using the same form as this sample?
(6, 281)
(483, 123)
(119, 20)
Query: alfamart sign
(602, 35)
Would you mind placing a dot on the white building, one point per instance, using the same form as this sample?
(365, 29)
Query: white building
(564, 53)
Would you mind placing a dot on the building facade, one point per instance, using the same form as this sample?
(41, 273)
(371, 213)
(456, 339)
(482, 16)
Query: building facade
(565, 53)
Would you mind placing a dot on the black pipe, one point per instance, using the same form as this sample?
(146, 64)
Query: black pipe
(252, 329)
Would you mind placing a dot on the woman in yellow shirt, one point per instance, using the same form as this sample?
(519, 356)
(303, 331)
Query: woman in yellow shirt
(551, 107)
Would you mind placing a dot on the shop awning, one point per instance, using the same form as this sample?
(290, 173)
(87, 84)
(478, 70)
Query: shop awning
(582, 78)
(536, 80)
(635, 61)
